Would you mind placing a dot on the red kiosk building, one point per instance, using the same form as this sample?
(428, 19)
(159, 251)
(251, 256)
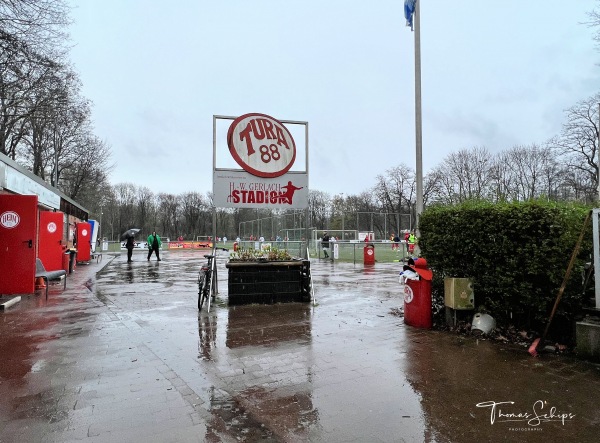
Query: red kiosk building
(36, 221)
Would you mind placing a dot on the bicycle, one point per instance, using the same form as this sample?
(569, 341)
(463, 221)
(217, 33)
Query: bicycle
(205, 280)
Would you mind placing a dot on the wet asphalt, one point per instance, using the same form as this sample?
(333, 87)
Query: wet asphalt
(123, 355)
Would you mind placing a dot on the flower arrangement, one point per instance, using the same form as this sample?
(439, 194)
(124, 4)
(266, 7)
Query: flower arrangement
(266, 254)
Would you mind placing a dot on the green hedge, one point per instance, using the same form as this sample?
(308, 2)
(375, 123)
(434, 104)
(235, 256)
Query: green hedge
(517, 255)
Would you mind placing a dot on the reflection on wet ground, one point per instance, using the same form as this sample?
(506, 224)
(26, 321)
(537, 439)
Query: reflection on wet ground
(126, 356)
(268, 325)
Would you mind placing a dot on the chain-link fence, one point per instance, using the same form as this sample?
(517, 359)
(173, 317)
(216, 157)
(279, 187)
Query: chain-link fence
(354, 251)
(292, 226)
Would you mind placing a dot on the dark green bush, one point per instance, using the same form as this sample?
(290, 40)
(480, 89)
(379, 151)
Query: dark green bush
(517, 255)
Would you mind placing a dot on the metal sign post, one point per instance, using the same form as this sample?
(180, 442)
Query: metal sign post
(596, 236)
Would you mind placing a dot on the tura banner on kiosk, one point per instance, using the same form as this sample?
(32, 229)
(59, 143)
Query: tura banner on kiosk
(266, 151)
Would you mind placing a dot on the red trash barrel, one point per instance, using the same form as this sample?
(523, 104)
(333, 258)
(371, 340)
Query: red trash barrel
(65, 260)
(417, 297)
(369, 254)
(235, 246)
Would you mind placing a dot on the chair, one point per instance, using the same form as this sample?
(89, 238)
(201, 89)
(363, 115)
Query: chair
(40, 272)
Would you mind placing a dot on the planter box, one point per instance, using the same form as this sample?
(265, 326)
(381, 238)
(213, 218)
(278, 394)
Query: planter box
(269, 282)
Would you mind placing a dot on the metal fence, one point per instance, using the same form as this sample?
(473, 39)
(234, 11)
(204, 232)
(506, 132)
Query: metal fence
(292, 225)
(347, 251)
(354, 251)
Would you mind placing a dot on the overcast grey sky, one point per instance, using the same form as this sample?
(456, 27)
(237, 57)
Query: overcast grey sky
(495, 73)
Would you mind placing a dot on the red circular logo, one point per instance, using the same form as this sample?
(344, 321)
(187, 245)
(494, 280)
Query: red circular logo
(9, 219)
(261, 145)
(408, 294)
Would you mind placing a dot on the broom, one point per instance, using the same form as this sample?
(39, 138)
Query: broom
(539, 342)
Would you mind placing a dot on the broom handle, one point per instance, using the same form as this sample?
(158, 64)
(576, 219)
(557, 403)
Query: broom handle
(567, 274)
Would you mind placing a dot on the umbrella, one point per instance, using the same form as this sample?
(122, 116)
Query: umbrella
(129, 233)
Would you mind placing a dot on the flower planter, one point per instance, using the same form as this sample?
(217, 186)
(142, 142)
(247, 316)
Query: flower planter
(267, 282)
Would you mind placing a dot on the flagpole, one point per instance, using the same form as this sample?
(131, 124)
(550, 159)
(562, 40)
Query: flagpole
(598, 149)
(418, 123)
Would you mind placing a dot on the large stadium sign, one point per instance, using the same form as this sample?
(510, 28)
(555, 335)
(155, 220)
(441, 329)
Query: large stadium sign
(266, 151)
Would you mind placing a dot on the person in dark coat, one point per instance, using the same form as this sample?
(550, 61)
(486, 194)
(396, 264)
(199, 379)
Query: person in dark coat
(154, 245)
(130, 244)
(325, 244)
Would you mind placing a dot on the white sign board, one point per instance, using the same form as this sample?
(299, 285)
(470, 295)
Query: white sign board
(239, 189)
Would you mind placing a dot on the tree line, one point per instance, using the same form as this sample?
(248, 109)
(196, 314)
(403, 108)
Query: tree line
(45, 122)
(46, 125)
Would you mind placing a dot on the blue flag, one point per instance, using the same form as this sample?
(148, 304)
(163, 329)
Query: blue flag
(409, 10)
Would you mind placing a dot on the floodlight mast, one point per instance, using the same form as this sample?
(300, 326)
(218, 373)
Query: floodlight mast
(418, 120)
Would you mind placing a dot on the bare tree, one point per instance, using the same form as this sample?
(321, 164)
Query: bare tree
(395, 191)
(471, 170)
(595, 23)
(444, 189)
(145, 208)
(23, 78)
(86, 169)
(196, 213)
(40, 24)
(168, 214)
(107, 205)
(125, 198)
(32, 42)
(525, 172)
(578, 141)
(318, 208)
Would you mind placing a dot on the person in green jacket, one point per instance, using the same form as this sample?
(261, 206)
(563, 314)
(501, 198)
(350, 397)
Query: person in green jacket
(154, 245)
(412, 239)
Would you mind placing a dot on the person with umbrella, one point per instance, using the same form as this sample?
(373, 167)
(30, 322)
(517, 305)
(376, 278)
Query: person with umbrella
(154, 244)
(129, 243)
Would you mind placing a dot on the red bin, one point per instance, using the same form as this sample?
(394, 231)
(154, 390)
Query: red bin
(235, 246)
(417, 297)
(369, 254)
(65, 260)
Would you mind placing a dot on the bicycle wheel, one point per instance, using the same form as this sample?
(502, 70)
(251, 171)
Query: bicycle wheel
(201, 289)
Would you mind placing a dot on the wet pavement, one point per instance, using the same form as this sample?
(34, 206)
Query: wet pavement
(124, 356)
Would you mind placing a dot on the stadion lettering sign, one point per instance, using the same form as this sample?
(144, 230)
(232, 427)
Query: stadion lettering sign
(265, 150)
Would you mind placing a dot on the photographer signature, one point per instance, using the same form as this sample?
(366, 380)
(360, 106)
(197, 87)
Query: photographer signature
(535, 417)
